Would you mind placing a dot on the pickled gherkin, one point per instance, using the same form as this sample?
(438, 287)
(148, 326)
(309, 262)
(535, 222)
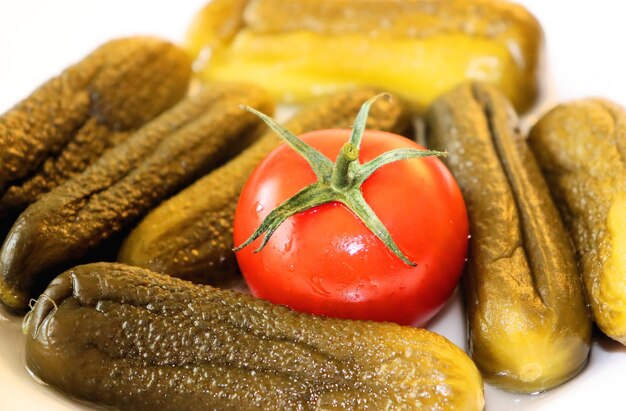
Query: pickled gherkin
(581, 148)
(198, 134)
(126, 337)
(190, 235)
(68, 122)
(416, 49)
(529, 329)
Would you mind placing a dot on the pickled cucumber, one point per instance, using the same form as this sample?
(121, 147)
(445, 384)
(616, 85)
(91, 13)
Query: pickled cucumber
(529, 329)
(136, 340)
(416, 49)
(190, 235)
(68, 122)
(581, 148)
(187, 141)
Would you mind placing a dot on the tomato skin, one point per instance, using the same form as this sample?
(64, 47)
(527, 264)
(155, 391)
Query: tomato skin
(326, 261)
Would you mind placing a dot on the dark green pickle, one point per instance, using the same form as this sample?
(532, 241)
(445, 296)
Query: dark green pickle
(529, 329)
(68, 122)
(190, 235)
(132, 339)
(169, 153)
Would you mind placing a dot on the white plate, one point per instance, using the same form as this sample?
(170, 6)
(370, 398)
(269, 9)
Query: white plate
(38, 38)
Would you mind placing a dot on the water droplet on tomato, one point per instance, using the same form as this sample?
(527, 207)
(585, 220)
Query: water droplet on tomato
(259, 207)
(353, 295)
(288, 245)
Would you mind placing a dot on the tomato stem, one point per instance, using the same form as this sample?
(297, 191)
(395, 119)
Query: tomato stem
(340, 178)
(340, 181)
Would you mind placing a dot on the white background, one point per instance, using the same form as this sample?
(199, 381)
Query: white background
(38, 38)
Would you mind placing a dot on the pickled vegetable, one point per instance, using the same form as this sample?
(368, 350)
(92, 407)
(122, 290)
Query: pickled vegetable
(528, 325)
(190, 235)
(68, 122)
(187, 141)
(136, 340)
(417, 49)
(581, 148)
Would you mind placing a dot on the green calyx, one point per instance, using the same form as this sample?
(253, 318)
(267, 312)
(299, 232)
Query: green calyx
(340, 181)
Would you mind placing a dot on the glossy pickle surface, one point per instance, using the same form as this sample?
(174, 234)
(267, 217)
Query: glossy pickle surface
(529, 329)
(136, 340)
(416, 49)
(581, 148)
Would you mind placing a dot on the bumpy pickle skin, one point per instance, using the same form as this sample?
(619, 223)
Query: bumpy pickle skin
(529, 329)
(417, 49)
(136, 340)
(581, 148)
(68, 122)
(197, 135)
(190, 235)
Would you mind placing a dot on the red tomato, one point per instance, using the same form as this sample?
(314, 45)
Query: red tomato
(326, 261)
